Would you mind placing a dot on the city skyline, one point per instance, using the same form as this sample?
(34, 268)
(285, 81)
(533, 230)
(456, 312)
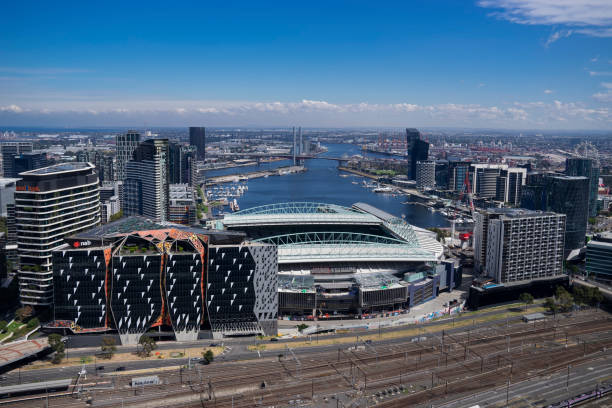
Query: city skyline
(508, 64)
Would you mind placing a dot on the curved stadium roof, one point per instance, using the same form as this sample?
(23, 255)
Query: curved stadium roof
(408, 244)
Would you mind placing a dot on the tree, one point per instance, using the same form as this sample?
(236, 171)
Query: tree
(32, 323)
(526, 298)
(208, 356)
(3, 326)
(108, 347)
(148, 345)
(58, 346)
(116, 216)
(23, 313)
(563, 299)
(301, 327)
(550, 304)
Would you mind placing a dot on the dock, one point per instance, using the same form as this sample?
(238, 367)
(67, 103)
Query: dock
(281, 171)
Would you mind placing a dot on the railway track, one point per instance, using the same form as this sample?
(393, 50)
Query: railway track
(465, 361)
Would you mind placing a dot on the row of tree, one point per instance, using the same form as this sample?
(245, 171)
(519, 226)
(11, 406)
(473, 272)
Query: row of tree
(564, 301)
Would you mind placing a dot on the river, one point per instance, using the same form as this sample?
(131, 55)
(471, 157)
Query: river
(322, 183)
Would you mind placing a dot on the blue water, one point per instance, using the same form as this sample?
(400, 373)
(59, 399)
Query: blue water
(322, 183)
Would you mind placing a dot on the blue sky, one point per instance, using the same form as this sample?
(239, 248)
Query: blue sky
(474, 63)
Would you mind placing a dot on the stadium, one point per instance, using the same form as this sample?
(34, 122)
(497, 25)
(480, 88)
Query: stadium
(338, 262)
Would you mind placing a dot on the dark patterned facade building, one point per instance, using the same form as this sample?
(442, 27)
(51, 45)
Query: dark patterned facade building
(176, 280)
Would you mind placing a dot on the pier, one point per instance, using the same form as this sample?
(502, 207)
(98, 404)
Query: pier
(281, 171)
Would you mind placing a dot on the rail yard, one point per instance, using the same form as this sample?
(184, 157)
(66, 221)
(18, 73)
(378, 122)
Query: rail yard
(449, 368)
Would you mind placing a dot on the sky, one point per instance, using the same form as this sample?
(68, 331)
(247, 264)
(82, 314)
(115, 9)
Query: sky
(508, 64)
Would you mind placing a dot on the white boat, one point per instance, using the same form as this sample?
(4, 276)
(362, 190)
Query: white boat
(383, 190)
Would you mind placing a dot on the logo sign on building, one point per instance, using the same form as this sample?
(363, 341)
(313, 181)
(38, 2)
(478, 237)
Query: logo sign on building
(27, 188)
(142, 381)
(79, 244)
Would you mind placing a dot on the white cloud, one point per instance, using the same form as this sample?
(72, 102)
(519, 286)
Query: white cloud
(595, 59)
(586, 17)
(548, 91)
(605, 96)
(11, 108)
(556, 114)
(600, 73)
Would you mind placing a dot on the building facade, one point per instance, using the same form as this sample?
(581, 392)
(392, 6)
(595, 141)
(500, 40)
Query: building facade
(599, 258)
(50, 204)
(8, 151)
(425, 175)
(577, 166)
(197, 138)
(416, 150)
(524, 245)
(175, 280)
(30, 161)
(126, 144)
(145, 188)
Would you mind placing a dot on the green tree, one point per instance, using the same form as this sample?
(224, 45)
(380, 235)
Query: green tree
(108, 347)
(148, 344)
(115, 217)
(550, 304)
(32, 323)
(57, 345)
(564, 300)
(526, 298)
(208, 356)
(593, 220)
(23, 313)
(3, 326)
(301, 327)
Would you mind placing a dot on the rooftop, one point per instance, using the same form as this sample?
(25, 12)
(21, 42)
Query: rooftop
(58, 168)
(519, 212)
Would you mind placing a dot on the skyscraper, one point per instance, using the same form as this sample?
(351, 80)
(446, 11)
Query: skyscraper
(125, 147)
(180, 160)
(197, 138)
(29, 161)
(145, 190)
(50, 204)
(426, 175)
(577, 166)
(567, 195)
(416, 150)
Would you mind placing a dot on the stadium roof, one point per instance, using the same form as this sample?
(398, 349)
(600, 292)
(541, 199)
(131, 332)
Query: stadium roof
(298, 213)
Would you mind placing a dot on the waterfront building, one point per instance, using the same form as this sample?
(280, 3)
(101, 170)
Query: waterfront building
(416, 150)
(509, 185)
(108, 279)
(50, 204)
(126, 144)
(425, 175)
(197, 138)
(442, 174)
(182, 209)
(8, 151)
(578, 166)
(338, 260)
(181, 159)
(145, 189)
(457, 172)
(562, 194)
(599, 258)
(520, 245)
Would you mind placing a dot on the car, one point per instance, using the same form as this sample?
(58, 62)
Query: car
(213, 345)
(99, 368)
(122, 368)
(273, 339)
(368, 341)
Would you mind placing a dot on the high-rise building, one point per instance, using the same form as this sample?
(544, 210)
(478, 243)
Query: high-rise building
(181, 158)
(599, 258)
(197, 138)
(126, 144)
(425, 175)
(509, 185)
(178, 280)
(520, 245)
(50, 204)
(145, 189)
(577, 166)
(416, 150)
(7, 193)
(562, 194)
(182, 208)
(30, 161)
(457, 172)
(442, 176)
(8, 151)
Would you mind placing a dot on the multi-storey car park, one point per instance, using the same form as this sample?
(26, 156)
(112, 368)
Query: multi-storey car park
(133, 275)
(340, 261)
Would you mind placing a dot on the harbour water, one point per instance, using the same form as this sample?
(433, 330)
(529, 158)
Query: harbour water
(322, 182)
